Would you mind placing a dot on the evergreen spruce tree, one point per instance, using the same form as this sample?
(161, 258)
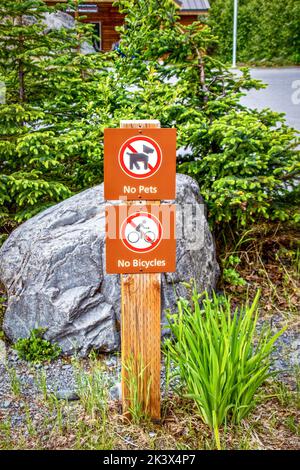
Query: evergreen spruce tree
(57, 104)
(246, 164)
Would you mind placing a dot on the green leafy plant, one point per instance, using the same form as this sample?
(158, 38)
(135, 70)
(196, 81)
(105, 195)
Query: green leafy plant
(36, 348)
(230, 274)
(221, 358)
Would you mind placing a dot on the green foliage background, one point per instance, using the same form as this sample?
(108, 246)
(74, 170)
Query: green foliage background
(58, 101)
(245, 161)
(268, 30)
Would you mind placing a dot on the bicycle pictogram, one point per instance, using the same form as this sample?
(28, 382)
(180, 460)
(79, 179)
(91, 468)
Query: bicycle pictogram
(141, 232)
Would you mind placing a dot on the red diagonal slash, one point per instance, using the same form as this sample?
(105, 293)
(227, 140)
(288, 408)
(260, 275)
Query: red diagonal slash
(134, 151)
(133, 224)
(148, 239)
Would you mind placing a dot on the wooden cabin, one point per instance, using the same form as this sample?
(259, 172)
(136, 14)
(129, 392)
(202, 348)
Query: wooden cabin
(105, 17)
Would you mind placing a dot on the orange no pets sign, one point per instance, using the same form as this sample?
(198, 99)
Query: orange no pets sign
(139, 163)
(140, 238)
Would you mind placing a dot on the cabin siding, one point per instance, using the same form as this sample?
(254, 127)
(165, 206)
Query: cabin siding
(109, 17)
(188, 19)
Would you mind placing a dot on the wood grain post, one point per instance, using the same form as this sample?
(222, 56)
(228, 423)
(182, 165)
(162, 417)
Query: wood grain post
(140, 327)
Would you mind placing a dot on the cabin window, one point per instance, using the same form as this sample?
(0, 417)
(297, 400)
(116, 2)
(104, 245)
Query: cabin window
(97, 41)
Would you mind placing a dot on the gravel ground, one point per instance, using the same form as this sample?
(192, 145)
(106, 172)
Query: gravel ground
(287, 353)
(61, 376)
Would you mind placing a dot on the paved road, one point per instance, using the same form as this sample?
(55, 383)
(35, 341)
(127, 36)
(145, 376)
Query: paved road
(280, 94)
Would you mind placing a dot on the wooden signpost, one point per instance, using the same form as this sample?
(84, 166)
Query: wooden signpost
(140, 165)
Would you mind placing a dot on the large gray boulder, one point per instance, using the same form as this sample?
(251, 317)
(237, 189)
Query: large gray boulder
(53, 267)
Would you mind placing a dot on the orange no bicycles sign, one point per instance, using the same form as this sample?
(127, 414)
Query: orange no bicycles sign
(139, 164)
(140, 238)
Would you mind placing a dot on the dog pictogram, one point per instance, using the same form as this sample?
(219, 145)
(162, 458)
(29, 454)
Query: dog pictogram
(136, 158)
(140, 157)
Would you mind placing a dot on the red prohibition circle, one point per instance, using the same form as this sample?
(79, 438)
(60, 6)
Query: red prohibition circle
(130, 141)
(128, 221)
